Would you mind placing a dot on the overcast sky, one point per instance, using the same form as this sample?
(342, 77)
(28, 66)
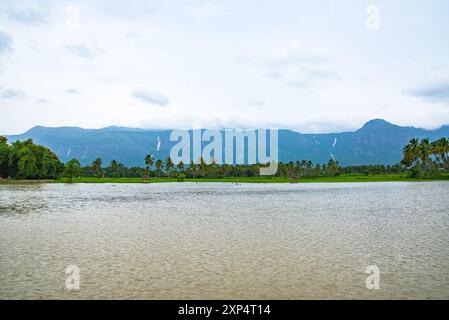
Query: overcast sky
(315, 66)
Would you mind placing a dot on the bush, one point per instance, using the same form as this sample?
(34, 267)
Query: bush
(181, 177)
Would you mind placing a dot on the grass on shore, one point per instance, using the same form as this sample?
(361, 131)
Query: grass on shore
(266, 179)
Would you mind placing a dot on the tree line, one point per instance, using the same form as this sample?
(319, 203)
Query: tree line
(26, 160)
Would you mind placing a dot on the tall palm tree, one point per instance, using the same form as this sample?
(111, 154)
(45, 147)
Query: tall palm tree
(114, 168)
(213, 167)
(411, 152)
(439, 149)
(149, 159)
(202, 166)
(445, 151)
(180, 166)
(226, 169)
(96, 167)
(169, 165)
(424, 150)
(159, 166)
(192, 169)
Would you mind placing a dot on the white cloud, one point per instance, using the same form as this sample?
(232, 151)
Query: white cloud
(204, 8)
(300, 66)
(73, 91)
(151, 97)
(42, 100)
(29, 16)
(5, 42)
(83, 51)
(12, 93)
(434, 90)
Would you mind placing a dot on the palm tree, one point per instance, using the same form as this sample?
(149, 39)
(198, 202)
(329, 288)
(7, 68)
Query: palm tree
(411, 152)
(440, 148)
(149, 159)
(202, 166)
(317, 170)
(180, 166)
(445, 151)
(159, 166)
(332, 167)
(226, 169)
(424, 151)
(169, 165)
(192, 169)
(309, 167)
(114, 168)
(212, 167)
(96, 167)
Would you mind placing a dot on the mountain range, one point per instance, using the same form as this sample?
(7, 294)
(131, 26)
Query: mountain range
(377, 142)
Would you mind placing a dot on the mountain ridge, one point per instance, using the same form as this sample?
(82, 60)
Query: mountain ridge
(376, 142)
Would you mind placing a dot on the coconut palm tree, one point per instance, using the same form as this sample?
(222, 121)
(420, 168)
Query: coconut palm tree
(411, 152)
(159, 166)
(149, 159)
(169, 165)
(96, 167)
(440, 149)
(213, 166)
(202, 166)
(192, 169)
(180, 166)
(114, 168)
(332, 167)
(424, 151)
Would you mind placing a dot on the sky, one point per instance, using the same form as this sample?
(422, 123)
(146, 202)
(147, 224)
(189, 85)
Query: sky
(309, 66)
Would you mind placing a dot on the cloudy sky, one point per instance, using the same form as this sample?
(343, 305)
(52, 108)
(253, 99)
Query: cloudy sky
(315, 66)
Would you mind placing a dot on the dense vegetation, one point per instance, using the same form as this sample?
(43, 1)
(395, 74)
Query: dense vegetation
(426, 159)
(26, 160)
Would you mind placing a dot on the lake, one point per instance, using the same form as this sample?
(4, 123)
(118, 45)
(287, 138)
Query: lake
(225, 241)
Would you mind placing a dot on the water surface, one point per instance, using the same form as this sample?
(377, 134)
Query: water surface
(225, 241)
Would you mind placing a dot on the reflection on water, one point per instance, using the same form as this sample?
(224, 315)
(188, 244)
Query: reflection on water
(211, 241)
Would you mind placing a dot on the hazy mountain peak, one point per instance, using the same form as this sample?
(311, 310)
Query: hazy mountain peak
(377, 123)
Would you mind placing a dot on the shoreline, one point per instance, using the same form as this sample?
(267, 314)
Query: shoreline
(335, 179)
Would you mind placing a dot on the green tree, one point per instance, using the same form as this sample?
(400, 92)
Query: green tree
(440, 149)
(332, 167)
(4, 157)
(72, 169)
(424, 151)
(192, 169)
(27, 167)
(213, 168)
(149, 159)
(202, 167)
(180, 166)
(159, 166)
(96, 167)
(114, 166)
(169, 165)
(27, 160)
(410, 153)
